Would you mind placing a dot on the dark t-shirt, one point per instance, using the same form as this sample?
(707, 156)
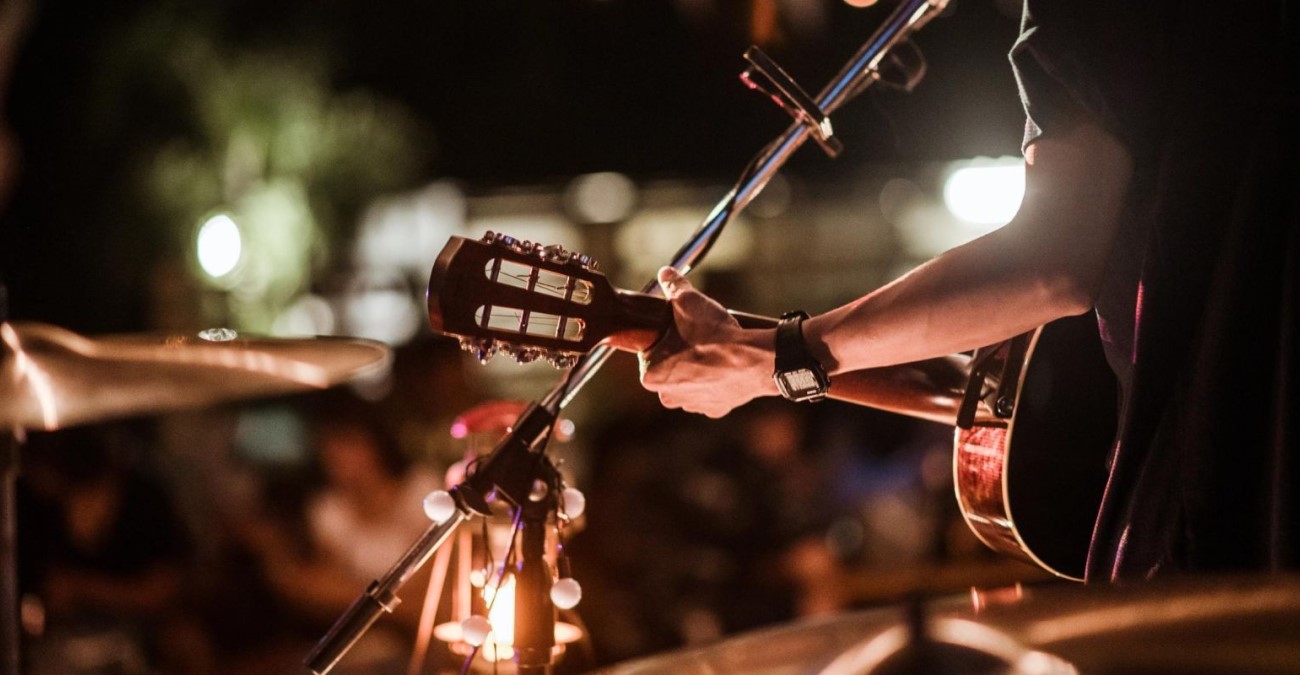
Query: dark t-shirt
(1197, 312)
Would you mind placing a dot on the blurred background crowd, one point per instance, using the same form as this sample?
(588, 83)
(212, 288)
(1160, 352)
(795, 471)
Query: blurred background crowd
(229, 540)
(293, 168)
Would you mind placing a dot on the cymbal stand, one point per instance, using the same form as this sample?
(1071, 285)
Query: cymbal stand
(9, 626)
(10, 640)
(518, 463)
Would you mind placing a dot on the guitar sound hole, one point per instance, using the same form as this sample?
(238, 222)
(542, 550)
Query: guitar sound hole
(541, 281)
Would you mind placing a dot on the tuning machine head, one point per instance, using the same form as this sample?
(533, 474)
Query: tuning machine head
(524, 354)
(557, 253)
(563, 361)
(483, 349)
(553, 253)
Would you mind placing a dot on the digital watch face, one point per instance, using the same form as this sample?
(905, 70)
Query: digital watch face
(802, 384)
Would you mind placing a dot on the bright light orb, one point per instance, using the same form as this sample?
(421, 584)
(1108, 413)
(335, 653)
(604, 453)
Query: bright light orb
(566, 593)
(439, 505)
(605, 197)
(987, 194)
(219, 246)
(475, 630)
(575, 503)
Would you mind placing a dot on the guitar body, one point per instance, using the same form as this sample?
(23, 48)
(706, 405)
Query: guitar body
(1029, 484)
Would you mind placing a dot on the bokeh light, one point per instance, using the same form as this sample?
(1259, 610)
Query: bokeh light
(604, 197)
(986, 192)
(220, 245)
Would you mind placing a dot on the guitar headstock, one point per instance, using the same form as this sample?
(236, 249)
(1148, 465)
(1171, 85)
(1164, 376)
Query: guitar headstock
(500, 294)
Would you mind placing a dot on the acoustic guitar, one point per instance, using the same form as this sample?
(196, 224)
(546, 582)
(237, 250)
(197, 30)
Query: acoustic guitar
(1047, 389)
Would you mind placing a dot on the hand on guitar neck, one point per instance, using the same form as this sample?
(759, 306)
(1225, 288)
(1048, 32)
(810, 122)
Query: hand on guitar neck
(706, 361)
(711, 361)
(500, 294)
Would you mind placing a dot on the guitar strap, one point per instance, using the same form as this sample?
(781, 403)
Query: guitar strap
(1011, 354)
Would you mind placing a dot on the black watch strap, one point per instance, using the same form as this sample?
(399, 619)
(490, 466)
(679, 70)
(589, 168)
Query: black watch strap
(798, 375)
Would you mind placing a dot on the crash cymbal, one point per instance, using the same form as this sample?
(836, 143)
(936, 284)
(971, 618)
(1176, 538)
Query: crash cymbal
(51, 378)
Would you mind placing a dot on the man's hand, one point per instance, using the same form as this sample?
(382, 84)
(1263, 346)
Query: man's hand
(707, 363)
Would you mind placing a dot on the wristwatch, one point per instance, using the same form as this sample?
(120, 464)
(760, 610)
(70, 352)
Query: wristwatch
(798, 376)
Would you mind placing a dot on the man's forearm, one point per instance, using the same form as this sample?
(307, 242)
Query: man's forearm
(1047, 263)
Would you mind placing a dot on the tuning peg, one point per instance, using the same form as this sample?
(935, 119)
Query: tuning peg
(483, 349)
(585, 261)
(554, 253)
(563, 361)
(525, 354)
(502, 240)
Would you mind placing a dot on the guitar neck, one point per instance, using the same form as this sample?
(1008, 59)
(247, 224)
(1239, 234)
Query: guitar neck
(930, 390)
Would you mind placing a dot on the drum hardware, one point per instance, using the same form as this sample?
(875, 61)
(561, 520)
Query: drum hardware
(51, 378)
(943, 646)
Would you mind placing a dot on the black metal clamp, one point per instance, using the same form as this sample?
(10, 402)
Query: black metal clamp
(787, 94)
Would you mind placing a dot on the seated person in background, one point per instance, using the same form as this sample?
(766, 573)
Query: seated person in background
(105, 551)
(358, 524)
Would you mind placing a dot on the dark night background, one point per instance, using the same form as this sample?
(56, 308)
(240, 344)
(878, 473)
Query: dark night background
(501, 93)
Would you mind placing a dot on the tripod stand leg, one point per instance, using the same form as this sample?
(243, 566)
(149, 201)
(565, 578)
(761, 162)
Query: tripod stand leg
(428, 615)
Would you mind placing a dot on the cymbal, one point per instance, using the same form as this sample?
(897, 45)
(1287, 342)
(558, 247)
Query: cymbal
(51, 378)
(1209, 625)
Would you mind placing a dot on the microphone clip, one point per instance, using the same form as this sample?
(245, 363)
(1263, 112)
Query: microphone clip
(764, 75)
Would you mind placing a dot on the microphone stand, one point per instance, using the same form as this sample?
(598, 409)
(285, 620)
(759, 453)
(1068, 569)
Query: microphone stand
(517, 468)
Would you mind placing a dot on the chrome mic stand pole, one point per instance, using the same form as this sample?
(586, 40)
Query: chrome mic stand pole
(511, 460)
(859, 73)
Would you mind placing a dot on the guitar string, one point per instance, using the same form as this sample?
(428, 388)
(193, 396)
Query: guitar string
(515, 317)
(557, 288)
(541, 320)
(553, 289)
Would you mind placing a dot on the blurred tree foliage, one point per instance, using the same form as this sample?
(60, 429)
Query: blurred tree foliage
(253, 128)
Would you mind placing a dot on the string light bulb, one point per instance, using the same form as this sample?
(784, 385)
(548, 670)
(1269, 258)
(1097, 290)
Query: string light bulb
(575, 503)
(566, 593)
(475, 630)
(439, 506)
